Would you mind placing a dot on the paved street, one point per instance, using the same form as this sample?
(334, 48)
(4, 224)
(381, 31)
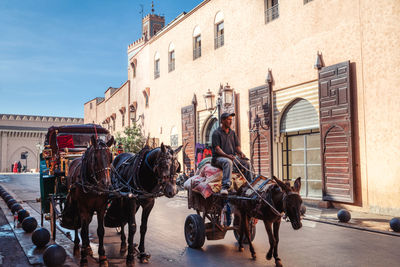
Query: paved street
(316, 244)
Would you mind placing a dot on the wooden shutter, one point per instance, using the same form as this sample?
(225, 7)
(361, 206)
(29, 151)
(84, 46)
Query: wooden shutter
(336, 132)
(188, 137)
(260, 124)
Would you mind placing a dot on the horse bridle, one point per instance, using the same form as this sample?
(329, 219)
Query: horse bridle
(285, 195)
(95, 173)
(161, 181)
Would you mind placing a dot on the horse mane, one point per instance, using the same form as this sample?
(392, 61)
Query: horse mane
(85, 161)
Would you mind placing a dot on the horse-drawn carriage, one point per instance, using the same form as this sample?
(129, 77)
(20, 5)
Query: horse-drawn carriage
(214, 214)
(62, 145)
(266, 199)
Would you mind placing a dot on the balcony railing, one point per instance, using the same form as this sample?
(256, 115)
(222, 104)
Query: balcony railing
(272, 13)
(156, 74)
(219, 41)
(171, 66)
(196, 52)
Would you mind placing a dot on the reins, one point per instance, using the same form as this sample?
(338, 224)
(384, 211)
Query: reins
(275, 211)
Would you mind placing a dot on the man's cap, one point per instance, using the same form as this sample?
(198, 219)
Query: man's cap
(226, 115)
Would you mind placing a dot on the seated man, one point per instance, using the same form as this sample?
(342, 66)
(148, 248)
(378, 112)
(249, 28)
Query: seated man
(225, 145)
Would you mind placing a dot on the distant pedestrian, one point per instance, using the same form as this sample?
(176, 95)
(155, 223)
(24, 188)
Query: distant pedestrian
(19, 166)
(15, 167)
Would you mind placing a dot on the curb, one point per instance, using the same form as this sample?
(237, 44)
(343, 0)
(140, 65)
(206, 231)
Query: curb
(352, 226)
(33, 254)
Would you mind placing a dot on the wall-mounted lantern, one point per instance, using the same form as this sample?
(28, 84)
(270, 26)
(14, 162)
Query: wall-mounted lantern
(227, 96)
(209, 100)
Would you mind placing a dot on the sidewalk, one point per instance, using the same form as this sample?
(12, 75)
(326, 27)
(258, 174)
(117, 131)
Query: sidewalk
(359, 220)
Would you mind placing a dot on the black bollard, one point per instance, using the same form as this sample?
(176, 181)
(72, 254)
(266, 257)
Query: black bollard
(29, 224)
(15, 208)
(395, 224)
(344, 215)
(54, 255)
(22, 214)
(41, 237)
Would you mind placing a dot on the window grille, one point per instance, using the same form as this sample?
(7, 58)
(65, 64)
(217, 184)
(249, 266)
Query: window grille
(219, 38)
(272, 13)
(197, 47)
(171, 64)
(156, 69)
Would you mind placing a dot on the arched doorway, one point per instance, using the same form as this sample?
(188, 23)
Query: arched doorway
(301, 147)
(211, 126)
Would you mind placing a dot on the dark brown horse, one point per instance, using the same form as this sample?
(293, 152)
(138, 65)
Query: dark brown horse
(89, 182)
(284, 199)
(147, 175)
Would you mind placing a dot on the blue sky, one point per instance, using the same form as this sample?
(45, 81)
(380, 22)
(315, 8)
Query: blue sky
(57, 54)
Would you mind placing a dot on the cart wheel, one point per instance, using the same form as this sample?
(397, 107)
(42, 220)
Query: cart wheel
(236, 222)
(52, 219)
(195, 233)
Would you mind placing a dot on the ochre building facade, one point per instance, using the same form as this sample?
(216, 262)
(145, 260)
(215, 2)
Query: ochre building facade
(25, 134)
(315, 90)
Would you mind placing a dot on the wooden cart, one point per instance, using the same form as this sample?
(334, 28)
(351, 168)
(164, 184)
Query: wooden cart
(208, 221)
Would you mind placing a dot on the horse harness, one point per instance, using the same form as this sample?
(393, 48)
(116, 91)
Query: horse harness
(137, 189)
(93, 187)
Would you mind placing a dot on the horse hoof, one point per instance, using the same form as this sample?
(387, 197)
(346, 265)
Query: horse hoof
(278, 263)
(269, 256)
(241, 249)
(144, 257)
(253, 256)
(122, 250)
(130, 264)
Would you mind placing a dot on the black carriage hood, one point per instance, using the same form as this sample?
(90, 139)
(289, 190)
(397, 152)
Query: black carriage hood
(80, 128)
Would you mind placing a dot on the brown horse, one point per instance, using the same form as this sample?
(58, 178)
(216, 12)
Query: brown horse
(285, 199)
(148, 174)
(89, 182)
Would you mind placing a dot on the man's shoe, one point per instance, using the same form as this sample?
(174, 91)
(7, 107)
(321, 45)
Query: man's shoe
(224, 191)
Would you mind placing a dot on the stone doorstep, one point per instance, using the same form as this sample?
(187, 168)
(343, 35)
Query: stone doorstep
(34, 254)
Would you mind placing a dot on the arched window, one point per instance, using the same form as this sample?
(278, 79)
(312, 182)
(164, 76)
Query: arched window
(171, 57)
(196, 42)
(301, 148)
(134, 66)
(219, 30)
(156, 65)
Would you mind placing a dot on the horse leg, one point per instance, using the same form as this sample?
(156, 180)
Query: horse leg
(85, 240)
(241, 233)
(278, 262)
(100, 234)
(248, 236)
(76, 243)
(143, 256)
(123, 240)
(268, 228)
(130, 258)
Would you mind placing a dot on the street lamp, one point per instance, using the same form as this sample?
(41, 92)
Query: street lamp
(225, 98)
(208, 98)
(227, 95)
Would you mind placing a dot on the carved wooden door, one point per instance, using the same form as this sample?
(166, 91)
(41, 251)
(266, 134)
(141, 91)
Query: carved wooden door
(336, 132)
